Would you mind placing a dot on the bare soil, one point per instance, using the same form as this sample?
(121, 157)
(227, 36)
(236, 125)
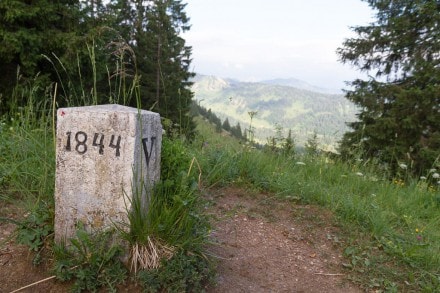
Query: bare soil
(268, 245)
(261, 244)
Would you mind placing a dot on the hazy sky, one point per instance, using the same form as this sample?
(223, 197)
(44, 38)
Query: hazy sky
(252, 40)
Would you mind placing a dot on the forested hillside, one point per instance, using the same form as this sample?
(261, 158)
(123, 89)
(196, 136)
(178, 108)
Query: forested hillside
(300, 84)
(95, 52)
(302, 111)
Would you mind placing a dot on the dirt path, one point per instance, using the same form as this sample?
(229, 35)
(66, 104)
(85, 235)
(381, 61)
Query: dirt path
(16, 269)
(263, 245)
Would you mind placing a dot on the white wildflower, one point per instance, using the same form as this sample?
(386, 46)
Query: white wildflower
(359, 174)
(436, 175)
(423, 178)
(403, 166)
(300, 163)
(432, 170)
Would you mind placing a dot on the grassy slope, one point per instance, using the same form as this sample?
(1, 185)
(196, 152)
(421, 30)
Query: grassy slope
(393, 226)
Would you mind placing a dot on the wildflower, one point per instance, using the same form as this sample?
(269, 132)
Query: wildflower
(359, 174)
(432, 170)
(403, 166)
(422, 178)
(300, 163)
(11, 128)
(417, 230)
(436, 175)
(399, 182)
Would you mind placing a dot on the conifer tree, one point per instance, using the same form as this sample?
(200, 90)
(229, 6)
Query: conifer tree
(63, 41)
(311, 145)
(236, 131)
(84, 40)
(164, 60)
(289, 144)
(399, 118)
(239, 131)
(29, 30)
(226, 125)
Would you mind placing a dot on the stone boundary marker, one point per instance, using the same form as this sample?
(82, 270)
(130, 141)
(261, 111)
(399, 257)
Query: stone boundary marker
(102, 152)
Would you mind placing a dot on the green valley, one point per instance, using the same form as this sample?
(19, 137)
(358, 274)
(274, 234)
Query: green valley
(278, 105)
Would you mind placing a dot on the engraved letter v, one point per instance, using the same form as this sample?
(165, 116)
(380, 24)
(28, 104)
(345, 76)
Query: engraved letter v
(144, 144)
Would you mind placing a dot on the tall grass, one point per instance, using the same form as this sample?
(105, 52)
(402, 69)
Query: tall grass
(27, 148)
(174, 209)
(27, 171)
(27, 164)
(399, 218)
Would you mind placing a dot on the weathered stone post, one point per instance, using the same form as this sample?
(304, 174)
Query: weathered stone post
(102, 153)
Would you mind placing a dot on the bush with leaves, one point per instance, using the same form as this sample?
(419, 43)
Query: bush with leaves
(35, 229)
(92, 261)
(185, 272)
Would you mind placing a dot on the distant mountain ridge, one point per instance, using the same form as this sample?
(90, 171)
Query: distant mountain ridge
(300, 84)
(276, 102)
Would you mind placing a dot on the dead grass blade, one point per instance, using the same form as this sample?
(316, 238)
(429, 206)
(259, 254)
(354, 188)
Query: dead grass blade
(148, 256)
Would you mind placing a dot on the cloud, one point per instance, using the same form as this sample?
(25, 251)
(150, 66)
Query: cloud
(260, 40)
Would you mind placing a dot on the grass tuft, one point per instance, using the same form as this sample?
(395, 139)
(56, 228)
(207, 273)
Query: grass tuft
(149, 255)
